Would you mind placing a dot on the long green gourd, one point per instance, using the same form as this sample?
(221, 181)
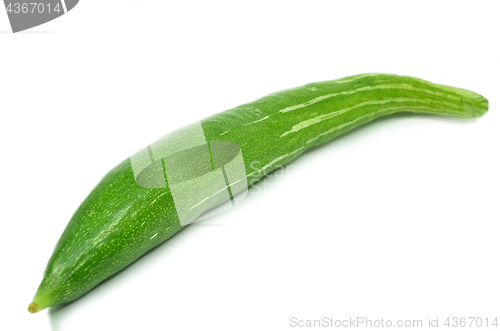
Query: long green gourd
(128, 213)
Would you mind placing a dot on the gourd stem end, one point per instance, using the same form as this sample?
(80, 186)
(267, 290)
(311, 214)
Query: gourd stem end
(33, 308)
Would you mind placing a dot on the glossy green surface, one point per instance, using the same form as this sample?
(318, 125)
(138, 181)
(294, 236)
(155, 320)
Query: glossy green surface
(120, 220)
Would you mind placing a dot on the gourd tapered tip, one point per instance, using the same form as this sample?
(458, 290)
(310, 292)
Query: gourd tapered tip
(33, 308)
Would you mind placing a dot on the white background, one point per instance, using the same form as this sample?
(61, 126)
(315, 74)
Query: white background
(396, 220)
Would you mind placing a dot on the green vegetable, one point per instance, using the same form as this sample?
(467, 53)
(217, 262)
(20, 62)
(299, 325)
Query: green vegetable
(134, 208)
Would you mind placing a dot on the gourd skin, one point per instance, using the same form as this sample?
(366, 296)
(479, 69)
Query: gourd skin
(120, 220)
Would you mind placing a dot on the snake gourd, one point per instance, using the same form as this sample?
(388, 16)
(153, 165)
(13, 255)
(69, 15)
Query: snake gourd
(178, 179)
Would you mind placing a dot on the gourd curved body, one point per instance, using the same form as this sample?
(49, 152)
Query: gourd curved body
(121, 219)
